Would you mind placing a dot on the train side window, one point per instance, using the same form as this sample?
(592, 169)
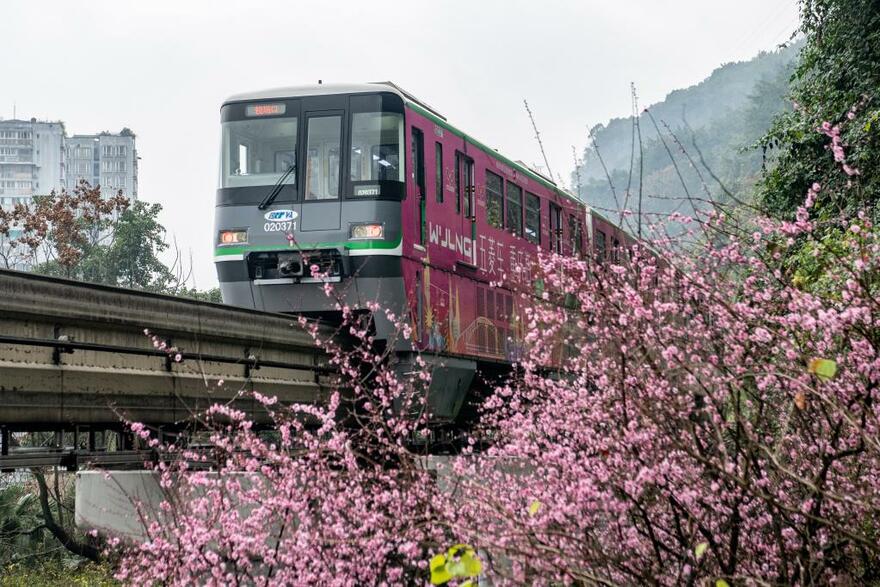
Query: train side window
(470, 208)
(438, 171)
(600, 246)
(376, 138)
(514, 218)
(494, 200)
(555, 241)
(533, 218)
(458, 183)
(615, 251)
(418, 157)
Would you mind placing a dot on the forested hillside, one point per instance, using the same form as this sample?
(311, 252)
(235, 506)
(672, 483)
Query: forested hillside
(723, 116)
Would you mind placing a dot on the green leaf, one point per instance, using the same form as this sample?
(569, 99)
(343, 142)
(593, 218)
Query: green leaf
(455, 568)
(439, 573)
(534, 507)
(449, 566)
(700, 550)
(440, 576)
(471, 564)
(824, 369)
(437, 561)
(721, 583)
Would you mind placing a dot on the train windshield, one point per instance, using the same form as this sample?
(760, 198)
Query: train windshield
(258, 152)
(336, 146)
(375, 146)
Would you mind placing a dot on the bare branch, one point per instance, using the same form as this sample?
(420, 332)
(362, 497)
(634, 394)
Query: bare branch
(538, 138)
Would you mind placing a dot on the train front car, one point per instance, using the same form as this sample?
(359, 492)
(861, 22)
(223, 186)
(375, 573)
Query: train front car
(311, 176)
(317, 175)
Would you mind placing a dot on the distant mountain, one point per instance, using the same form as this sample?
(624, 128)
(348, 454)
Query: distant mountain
(723, 115)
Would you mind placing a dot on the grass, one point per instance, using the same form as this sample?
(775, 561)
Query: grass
(56, 573)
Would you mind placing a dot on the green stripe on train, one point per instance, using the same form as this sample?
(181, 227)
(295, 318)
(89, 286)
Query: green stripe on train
(352, 245)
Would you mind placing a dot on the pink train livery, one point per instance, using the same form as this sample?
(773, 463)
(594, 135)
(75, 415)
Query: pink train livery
(397, 206)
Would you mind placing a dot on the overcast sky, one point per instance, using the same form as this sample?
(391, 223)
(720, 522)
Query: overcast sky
(163, 68)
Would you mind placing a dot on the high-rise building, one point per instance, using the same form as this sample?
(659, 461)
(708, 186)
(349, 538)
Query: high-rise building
(31, 159)
(37, 157)
(105, 159)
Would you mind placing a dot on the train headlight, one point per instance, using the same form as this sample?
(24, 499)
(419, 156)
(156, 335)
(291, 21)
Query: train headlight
(233, 237)
(364, 231)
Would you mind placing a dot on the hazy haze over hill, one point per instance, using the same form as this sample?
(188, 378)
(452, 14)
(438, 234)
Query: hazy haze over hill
(725, 113)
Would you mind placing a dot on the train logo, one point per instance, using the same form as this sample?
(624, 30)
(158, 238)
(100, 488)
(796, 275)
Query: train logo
(281, 215)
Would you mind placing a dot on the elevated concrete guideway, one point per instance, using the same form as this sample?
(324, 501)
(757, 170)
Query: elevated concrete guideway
(75, 354)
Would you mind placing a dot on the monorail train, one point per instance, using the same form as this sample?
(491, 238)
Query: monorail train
(399, 207)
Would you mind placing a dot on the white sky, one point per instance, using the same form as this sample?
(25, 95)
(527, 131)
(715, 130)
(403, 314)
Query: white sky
(162, 68)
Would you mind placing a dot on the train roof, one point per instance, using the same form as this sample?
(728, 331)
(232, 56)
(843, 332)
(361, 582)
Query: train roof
(424, 109)
(308, 90)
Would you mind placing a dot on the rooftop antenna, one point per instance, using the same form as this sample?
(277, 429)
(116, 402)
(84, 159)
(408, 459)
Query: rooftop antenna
(538, 137)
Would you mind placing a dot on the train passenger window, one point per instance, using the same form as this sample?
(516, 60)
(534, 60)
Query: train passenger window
(458, 183)
(322, 161)
(615, 251)
(600, 246)
(494, 200)
(555, 241)
(438, 172)
(470, 210)
(514, 209)
(258, 152)
(533, 218)
(418, 157)
(375, 146)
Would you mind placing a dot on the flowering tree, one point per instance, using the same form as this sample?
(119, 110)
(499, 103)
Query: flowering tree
(717, 417)
(331, 494)
(677, 418)
(14, 251)
(715, 422)
(60, 231)
(66, 226)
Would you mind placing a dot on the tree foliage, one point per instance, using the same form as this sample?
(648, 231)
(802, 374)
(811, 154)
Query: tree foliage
(82, 235)
(70, 228)
(36, 522)
(836, 82)
(132, 257)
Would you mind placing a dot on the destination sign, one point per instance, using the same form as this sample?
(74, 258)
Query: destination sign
(265, 109)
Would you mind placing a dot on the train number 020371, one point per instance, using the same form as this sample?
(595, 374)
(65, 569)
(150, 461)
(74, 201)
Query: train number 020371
(279, 226)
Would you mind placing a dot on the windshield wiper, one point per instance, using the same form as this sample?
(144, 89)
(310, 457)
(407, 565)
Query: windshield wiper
(276, 189)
